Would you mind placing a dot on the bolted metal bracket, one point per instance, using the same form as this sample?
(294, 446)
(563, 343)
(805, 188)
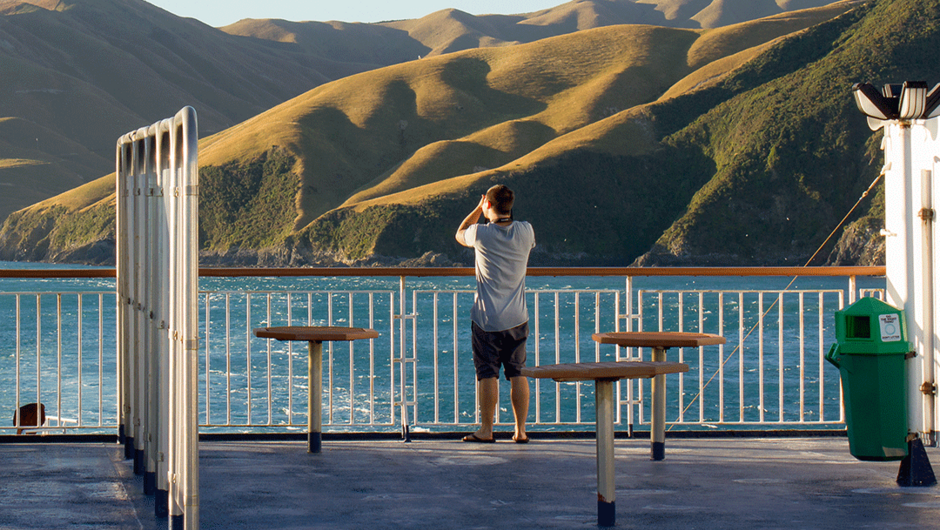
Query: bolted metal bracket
(927, 214)
(928, 388)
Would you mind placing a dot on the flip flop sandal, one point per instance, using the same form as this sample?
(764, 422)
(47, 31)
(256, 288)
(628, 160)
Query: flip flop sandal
(472, 438)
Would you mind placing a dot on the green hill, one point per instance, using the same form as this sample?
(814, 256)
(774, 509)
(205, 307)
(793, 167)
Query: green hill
(597, 131)
(791, 152)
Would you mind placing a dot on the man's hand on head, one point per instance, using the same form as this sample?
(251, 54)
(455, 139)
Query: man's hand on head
(472, 218)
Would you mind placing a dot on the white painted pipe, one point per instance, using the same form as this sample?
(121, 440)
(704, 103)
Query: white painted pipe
(927, 256)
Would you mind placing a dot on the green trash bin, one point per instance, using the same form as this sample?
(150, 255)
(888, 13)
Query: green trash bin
(870, 352)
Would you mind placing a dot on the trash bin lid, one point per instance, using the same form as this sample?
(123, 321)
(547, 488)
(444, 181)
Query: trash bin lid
(872, 327)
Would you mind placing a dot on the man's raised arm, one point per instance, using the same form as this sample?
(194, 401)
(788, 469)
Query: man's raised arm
(469, 220)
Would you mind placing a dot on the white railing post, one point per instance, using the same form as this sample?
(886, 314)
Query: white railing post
(150, 294)
(189, 332)
(139, 244)
(628, 316)
(160, 322)
(402, 371)
(122, 250)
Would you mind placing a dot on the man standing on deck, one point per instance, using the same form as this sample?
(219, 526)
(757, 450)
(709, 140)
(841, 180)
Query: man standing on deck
(500, 319)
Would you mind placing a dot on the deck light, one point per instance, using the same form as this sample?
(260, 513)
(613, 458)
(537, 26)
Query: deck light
(872, 103)
(932, 106)
(913, 100)
(907, 101)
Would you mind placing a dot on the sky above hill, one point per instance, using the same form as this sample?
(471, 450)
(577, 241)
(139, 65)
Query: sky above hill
(224, 12)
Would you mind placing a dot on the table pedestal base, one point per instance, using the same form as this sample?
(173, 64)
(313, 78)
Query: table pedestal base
(314, 442)
(657, 450)
(606, 513)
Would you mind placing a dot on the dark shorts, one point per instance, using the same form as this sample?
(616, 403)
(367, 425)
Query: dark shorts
(494, 348)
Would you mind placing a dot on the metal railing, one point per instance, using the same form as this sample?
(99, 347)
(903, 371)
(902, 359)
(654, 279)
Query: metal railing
(60, 352)
(769, 375)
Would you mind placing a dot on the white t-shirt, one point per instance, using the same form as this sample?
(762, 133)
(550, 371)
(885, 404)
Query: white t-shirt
(502, 254)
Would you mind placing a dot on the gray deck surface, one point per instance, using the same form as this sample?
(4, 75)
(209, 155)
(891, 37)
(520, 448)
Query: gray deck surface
(741, 483)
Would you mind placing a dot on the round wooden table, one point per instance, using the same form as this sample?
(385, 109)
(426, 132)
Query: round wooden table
(659, 341)
(604, 375)
(315, 336)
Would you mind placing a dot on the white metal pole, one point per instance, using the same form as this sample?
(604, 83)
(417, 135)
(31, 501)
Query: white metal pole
(140, 375)
(931, 358)
(131, 313)
(161, 321)
(187, 127)
(175, 509)
(121, 250)
(406, 436)
(899, 245)
(913, 303)
(149, 171)
(927, 216)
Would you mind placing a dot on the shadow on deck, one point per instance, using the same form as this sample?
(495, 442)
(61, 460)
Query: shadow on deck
(703, 483)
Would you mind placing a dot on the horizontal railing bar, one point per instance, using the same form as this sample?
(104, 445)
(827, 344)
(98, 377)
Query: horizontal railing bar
(547, 271)
(57, 273)
(54, 293)
(431, 272)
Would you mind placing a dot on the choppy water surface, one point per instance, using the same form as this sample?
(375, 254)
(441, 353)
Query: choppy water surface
(56, 330)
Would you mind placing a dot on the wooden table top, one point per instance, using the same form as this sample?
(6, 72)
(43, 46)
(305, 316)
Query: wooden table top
(608, 371)
(658, 339)
(315, 333)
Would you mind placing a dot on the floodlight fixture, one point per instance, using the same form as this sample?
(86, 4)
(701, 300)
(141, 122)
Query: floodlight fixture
(913, 100)
(898, 101)
(872, 103)
(932, 105)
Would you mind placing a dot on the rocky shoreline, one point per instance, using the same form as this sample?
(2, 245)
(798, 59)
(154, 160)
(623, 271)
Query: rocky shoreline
(847, 253)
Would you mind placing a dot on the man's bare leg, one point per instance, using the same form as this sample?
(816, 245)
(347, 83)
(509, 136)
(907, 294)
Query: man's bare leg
(489, 395)
(520, 405)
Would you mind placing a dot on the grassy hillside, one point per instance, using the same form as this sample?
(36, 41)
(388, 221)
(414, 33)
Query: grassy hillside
(83, 72)
(383, 163)
(90, 70)
(756, 168)
(451, 30)
(792, 153)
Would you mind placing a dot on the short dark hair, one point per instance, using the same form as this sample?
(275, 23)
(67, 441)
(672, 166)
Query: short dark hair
(501, 199)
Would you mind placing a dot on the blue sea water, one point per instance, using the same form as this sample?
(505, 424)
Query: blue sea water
(237, 387)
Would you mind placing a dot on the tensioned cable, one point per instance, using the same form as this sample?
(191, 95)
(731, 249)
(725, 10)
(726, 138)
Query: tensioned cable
(772, 305)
